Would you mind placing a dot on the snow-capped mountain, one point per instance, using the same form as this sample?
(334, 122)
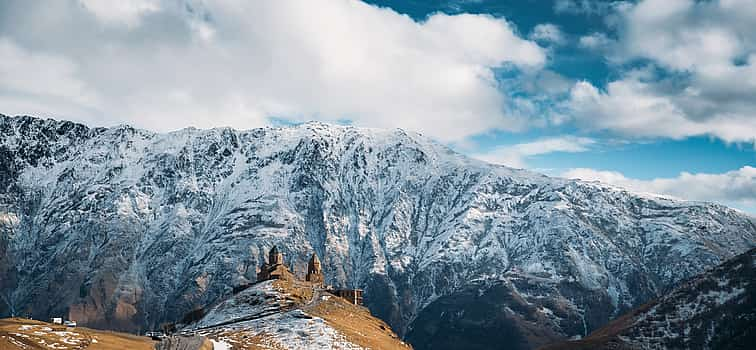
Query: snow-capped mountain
(714, 310)
(126, 228)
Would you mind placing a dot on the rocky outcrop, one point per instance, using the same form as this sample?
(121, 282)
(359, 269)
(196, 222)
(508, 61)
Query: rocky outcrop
(184, 343)
(124, 228)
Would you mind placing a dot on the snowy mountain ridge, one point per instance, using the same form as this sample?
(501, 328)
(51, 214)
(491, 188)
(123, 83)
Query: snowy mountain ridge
(127, 228)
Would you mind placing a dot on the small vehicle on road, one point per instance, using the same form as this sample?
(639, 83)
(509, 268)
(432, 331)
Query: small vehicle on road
(155, 335)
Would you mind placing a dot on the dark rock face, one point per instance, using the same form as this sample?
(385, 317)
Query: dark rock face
(715, 310)
(481, 317)
(124, 228)
(518, 313)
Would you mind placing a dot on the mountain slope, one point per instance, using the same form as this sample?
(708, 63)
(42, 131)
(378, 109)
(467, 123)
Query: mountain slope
(715, 310)
(287, 315)
(125, 228)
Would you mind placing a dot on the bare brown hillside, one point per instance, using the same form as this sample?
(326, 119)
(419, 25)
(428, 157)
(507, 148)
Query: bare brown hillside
(26, 334)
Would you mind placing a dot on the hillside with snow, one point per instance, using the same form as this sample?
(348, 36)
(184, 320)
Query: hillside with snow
(279, 314)
(714, 310)
(125, 228)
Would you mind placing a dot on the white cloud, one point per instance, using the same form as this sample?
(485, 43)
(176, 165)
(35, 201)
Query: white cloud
(686, 35)
(595, 41)
(548, 33)
(589, 7)
(635, 108)
(516, 155)
(238, 63)
(121, 12)
(736, 188)
(30, 76)
(705, 83)
(547, 83)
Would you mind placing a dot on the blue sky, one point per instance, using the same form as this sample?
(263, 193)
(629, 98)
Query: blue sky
(654, 95)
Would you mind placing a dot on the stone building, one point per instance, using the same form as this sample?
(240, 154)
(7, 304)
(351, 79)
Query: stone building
(275, 268)
(354, 296)
(314, 271)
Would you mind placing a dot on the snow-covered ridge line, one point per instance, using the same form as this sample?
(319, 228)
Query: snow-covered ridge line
(318, 126)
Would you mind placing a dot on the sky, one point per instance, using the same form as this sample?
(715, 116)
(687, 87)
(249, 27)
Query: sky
(655, 95)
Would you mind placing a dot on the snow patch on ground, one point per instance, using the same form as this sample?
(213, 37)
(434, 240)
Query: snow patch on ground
(220, 345)
(258, 316)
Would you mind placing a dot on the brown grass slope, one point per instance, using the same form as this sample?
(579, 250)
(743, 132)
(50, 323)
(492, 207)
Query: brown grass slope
(26, 334)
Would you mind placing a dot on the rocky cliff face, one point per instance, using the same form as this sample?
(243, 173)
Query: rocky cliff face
(125, 228)
(714, 310)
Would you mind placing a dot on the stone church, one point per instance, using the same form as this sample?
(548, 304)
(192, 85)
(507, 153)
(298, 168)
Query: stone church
(276, 269)
(314, 272)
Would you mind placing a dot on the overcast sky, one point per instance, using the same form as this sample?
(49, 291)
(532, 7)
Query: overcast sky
(656, 95)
